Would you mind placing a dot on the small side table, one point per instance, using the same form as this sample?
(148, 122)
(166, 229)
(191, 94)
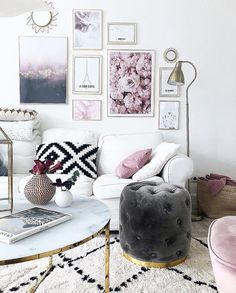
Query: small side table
(5, 140)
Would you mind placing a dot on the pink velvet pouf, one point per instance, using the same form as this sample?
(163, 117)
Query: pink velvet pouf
(222, 247)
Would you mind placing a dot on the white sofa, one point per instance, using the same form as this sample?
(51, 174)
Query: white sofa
(23, 156)
(113, 148)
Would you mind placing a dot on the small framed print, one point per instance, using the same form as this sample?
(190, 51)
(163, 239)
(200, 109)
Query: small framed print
(87, 29)
(86, 110)
(121, 33)
(169, 115)
(87, 75)
(167, 90)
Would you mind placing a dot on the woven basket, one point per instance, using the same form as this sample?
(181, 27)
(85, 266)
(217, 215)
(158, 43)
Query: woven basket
(216, 206)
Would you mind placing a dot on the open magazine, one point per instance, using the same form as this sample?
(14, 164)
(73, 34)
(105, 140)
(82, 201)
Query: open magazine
(27, 222)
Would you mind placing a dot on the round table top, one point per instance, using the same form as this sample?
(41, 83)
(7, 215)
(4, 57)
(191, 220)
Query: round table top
(89, 217)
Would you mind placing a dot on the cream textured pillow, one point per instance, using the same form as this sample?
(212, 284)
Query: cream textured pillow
(160, 156)
(13, 114)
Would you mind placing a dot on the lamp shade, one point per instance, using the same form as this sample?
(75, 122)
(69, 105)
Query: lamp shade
(11, 8)
(176, 77)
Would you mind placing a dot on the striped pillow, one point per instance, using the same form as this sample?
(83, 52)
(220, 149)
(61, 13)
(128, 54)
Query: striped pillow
(12, 114)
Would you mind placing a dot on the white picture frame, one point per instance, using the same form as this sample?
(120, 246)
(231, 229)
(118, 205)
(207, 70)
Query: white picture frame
(121, 33)
(87, 71)
(87, 29)
(139, 100)
(165, 89)
(86, 110)
(169, 115)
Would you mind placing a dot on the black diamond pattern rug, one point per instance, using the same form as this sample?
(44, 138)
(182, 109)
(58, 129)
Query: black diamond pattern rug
(82, 270)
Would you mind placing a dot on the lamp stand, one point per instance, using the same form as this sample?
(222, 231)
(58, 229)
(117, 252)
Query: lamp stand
(194, 217)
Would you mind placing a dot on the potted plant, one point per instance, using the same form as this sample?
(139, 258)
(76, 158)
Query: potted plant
(39, 189)
(63, 197)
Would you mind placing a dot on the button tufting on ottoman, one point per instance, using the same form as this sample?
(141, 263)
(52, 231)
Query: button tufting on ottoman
(155, 223)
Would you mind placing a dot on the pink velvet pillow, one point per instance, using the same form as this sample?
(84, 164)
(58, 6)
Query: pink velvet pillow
(129, 166)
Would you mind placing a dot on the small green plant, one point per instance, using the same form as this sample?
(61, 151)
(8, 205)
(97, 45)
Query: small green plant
(66, 185)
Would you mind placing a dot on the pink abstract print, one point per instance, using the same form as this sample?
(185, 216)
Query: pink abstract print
(86, 110)
(130, 83)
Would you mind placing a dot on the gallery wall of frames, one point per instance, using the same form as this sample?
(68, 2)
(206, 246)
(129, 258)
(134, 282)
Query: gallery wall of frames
(43, 60)
(146, 29)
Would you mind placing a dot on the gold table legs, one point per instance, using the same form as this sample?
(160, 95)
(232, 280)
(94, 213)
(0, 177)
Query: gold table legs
(107, 258)
(35, 287)
(107, 263)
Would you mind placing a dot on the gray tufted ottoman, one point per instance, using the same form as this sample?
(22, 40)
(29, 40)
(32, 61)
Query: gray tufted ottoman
(155, 223)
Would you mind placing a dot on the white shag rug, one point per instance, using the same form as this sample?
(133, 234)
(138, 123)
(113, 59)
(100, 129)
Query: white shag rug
(81, 270)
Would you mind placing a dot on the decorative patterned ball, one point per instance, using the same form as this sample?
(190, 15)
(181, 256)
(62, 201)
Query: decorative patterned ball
(39, 190)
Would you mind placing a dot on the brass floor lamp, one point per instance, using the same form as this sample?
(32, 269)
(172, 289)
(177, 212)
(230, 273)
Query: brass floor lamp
(177, 78)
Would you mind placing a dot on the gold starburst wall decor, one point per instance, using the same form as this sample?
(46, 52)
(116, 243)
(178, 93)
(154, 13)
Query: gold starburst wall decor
(43, 21)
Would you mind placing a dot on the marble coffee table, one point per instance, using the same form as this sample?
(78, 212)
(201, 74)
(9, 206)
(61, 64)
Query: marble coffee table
(90, 217)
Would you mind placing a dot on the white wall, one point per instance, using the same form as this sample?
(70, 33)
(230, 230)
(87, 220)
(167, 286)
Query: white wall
(202, 31)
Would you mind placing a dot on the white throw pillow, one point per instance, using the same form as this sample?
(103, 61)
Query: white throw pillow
(160, 156)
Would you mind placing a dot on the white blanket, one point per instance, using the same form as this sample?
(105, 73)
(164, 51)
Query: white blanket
(21, 130)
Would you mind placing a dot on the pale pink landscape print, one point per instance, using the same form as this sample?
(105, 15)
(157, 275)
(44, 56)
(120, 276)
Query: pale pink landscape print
(86, 110)
(130, 83)
(43, 69)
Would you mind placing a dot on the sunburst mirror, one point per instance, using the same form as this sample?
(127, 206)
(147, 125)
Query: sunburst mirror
(43, 21)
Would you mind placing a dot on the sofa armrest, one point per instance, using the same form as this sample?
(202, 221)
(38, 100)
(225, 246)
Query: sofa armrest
(178, 170)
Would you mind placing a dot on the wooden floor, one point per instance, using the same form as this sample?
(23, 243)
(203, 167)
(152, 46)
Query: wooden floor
(200, 228)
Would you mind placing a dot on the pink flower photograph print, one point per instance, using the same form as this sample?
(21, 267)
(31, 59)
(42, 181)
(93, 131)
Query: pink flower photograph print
(130, 76)
(86, 110)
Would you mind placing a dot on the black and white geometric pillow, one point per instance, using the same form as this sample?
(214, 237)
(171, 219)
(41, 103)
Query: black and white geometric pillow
(73, 156)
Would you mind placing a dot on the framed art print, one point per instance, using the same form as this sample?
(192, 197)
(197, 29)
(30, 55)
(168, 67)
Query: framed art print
(87, 29)
(87, 75)
(167, 90)
(121, 33)
(130, 83)
(169, 115)
(43, 69)
(86, 110)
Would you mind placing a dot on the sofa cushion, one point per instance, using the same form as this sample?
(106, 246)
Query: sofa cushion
(13, 114)
(129, 166)
(113, 148)
(160, 157)
(73, 157)
(83, 185)
(23, 155)
(110, 186)
(4, 184)
(67, 134)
